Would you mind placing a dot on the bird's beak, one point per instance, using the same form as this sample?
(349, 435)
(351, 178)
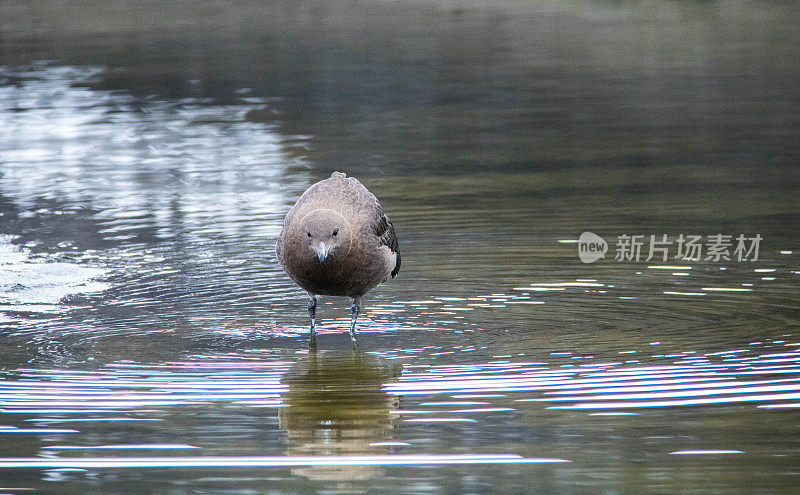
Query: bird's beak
(322, 252)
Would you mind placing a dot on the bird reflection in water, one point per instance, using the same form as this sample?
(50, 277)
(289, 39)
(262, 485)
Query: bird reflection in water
(335, 406)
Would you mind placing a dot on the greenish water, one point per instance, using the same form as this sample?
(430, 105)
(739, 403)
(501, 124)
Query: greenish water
(150, 343)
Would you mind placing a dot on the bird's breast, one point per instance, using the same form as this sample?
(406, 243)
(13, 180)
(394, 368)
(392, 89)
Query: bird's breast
(351, 275)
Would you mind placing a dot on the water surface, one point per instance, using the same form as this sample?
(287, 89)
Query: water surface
(151, 343)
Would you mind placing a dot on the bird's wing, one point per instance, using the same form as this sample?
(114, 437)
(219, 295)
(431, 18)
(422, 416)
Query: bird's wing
(387, 237)
(381, 225)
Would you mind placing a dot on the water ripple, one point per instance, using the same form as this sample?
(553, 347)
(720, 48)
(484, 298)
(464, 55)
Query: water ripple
(265, 461)
(691, 381)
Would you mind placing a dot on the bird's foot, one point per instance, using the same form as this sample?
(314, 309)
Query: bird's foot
(312, 312)
(355, 309)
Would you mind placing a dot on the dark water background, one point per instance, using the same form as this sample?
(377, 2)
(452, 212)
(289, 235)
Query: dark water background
(150, 343)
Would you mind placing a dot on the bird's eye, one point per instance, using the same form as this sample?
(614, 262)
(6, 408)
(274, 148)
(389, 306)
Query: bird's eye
(309, 234)
(335, 231)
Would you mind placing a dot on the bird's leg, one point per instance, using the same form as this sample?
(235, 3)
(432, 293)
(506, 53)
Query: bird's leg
(355, 309)
(312, 311)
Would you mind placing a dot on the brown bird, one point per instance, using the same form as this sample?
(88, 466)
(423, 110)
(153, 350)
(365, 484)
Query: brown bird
(336, 241)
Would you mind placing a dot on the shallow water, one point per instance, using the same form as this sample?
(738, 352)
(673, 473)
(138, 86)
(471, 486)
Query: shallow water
(150, 342)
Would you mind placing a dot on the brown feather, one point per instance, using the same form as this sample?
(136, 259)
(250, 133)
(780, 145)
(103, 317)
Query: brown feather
(365, 264)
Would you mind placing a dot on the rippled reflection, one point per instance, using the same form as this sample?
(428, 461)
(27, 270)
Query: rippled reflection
(183, 200)
(343, 418)
(30, 285)
(335, 406)
(769, 380)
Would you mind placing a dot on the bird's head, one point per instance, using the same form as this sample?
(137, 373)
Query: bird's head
(327, 235)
